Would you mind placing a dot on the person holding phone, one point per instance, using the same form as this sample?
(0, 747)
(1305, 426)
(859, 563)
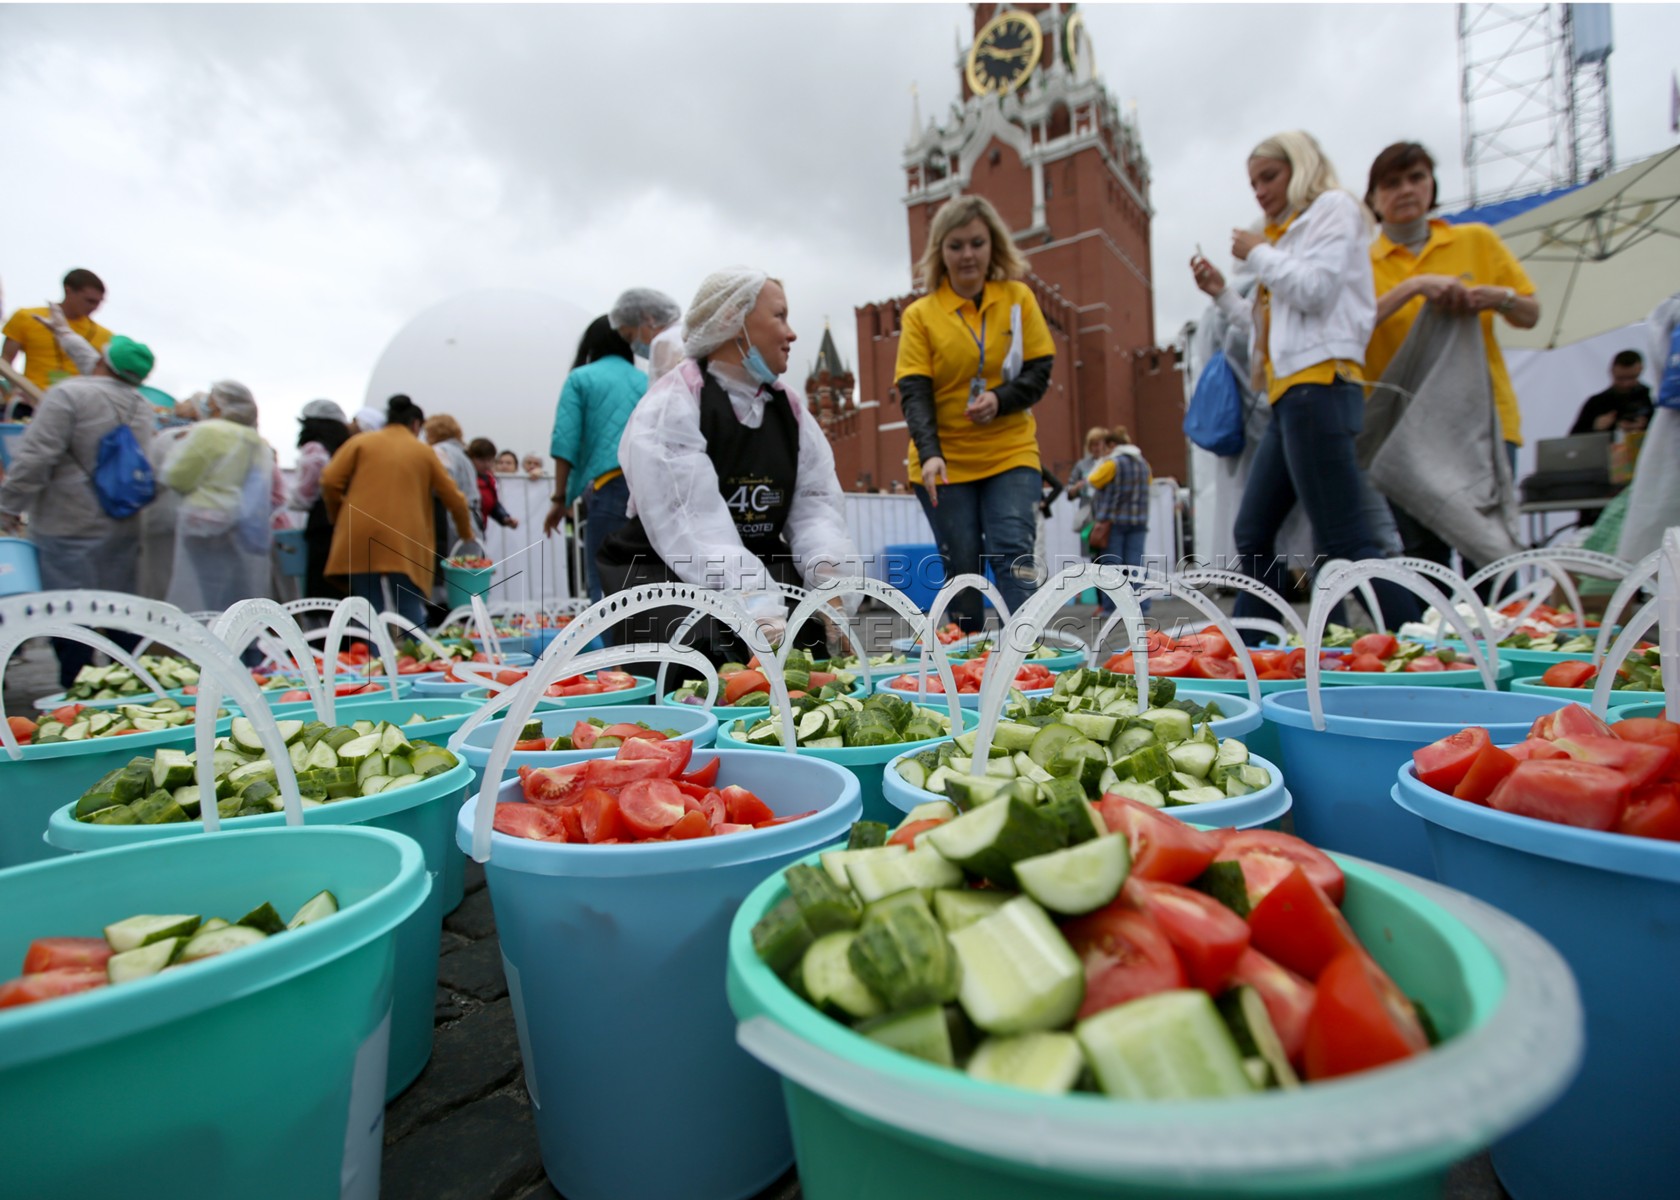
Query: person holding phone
(974, 356)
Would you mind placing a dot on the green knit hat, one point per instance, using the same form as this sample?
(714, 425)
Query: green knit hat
(128, 359)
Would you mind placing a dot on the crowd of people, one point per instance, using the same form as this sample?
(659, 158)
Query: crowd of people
(707, 467)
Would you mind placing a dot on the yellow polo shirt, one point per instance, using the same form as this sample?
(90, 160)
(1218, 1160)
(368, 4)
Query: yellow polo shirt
(44, 363)
(1324, 372)
(941, 338)
(1474, 254)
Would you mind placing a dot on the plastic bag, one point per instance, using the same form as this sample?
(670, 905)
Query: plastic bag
(256, 503)
(1214, 420)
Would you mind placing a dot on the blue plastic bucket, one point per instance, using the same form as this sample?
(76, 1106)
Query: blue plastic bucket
(1431, 679)
(1261, 740)
(1581, 696)
(291, 552)
(1342, 776)
(916, 570)
(1252, 811)
(872, 1122)
(8, 431)
(32, 787)
(613, 957)
(245, 1075)
(696, 725)
(1611, 905)
(434, 683)
(865, 762)
(630, 695)
(528, 645)
(20, 566)
(424, 811)
(305, 708)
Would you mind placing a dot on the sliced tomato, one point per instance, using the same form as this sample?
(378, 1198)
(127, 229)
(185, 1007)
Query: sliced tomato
(586, 688)
(704, 776)
(1535, 748)
(625, 731)
(672, 754)
(49, 985)
(1209, 937)
(23, 729)
(600, 815)
(744, 683)
(55, 953)
(584, 735)
(548, 786)
(1163, 849)
(1569, 721)
(1266, 854)
(650, 806)
(1269, 660)
(1641, 762)
(822, 679)
(730, 827)
(526, 821)
(1126, 955)
(1379, 645)
(1207, 667)
(1364, 662)
(1582, 794)
(1653, 812)
(1443, 765)
(1169, 663)
(294, 694)
(570, 817)
(1274, 674)
(1299, 926)
(1653, 731)
(1485, 774)
(906, 835)
(1426, 662)
(537, 744)
(1360, 1020)
(1288, 997)
(508, 678)
(744, 808)
(692, 825)
(787, 820)
(615, 681)
(1569, 675)
(616, 772)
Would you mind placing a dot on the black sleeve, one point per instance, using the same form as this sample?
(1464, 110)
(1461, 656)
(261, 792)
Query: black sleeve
(1027, 388)
(915, 395)
(1592, 410)
(1050, 481)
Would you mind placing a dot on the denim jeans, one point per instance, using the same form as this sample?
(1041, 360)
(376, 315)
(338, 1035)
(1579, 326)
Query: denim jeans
(603, 514)
(1125, 549)
(987, 521)
(1307, 456)
(107, 564)
(410, 601)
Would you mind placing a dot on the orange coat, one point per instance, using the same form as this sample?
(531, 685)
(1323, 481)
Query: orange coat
(378, 491)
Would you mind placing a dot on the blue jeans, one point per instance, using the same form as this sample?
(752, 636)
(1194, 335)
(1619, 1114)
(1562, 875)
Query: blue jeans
(410, 601)
(1125, 549)
(983, 522)
(603, 514)
(1307, 456)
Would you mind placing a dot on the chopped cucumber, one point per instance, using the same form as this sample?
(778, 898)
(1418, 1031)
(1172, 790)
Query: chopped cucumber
(989, 840)
(321, 904)
(902, 954)
(827, 976)
(922, 1032)
(1039, 1062)
(1080, 879)
(960, 907)
(781, 937)
(1245, 1015)
(142, 930)
(826, 906)
(219, 941)
(1168, 1046)
(1018, 972)
(264, 919)
(143, 961)
(838, 862)
(923, 869)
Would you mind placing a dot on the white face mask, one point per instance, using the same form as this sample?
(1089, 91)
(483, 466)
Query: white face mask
(754, 362)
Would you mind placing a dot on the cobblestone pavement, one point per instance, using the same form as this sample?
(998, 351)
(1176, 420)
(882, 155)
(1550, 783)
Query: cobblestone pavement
(463, 1130)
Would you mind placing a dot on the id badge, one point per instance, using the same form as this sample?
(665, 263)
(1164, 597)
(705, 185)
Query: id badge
(976, 387)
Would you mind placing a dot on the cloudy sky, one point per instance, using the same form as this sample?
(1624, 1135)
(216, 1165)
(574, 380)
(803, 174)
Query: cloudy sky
(272, 192)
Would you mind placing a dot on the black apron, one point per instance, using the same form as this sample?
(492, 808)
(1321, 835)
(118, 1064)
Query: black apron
(757, 471)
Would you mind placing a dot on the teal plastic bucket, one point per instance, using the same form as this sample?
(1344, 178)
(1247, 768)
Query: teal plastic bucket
(884, 683)
(1581, 696)
(614, 956)
(528, 645)
(1531, 664)
(1645, 708)
(424, 811)
(306, 708)
(1611, 905)
(1341, 777)
(463, 583)
(1431, 679)
(631, 695)
(869, 1121)
(865, 762)
(1056, 665)
(695, 725)
(59, 700)
(1257, 809)
(258, 1074)
(20, 567)
(752, 712)
(291, 553)
(45, 777)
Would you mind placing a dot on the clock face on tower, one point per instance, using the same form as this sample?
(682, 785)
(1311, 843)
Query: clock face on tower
(1005, 53)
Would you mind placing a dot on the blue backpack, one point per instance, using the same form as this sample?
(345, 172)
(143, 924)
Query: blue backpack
(123, 478)
(1214, 420)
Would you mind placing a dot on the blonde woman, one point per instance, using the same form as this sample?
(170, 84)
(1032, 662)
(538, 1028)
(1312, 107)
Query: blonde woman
(1309, 324)
(974, 356)
(443, 435)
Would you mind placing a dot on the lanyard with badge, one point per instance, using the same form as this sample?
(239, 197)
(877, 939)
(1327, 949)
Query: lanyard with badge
(977, 385)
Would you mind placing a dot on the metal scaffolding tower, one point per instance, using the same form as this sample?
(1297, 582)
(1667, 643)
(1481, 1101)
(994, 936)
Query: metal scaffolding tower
(1535, 96)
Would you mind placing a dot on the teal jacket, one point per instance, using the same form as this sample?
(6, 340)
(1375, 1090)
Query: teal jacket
(594, 405)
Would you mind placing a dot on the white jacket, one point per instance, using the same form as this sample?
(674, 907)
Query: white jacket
(1323, 300)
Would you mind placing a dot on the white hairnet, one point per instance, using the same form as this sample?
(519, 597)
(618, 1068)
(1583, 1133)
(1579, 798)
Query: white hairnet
(720, 308)
(234, 402)
(369, 418)
(636, 305)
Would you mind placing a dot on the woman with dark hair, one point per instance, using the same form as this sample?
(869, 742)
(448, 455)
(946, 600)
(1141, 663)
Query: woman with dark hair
(323, 428)
(1457, 268)
(600, 393)
(378, 490)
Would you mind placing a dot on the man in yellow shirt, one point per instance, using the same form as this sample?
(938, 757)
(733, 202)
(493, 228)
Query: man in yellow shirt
(44, 362)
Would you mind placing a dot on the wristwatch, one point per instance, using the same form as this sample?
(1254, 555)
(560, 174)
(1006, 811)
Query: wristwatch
(1510, 301)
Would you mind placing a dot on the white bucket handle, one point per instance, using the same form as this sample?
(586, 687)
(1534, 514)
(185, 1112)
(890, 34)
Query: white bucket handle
(1201, 577)
(1339, 582)
(1367, 593)
(251, 618)
(88, 637)
(608, 612)
(820, 601)
(1151, 584)
(374, 626)
(1664, 613)
(1460, 586)
(486, 629)
(921, 626)
(64, 614)
(1642, 576)
(1551, 559)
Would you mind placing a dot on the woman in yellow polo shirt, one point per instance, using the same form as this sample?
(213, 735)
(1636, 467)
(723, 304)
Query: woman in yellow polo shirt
(1310, 320)
(1460, 268)
(974, 356)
